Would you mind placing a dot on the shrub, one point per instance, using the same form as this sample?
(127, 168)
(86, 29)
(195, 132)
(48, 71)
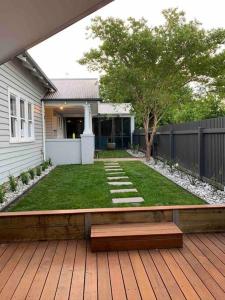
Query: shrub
(44, 165)
(24, 177)
(38, 171)
(12, 183)
(2, 193)
(32, 173)
(50, 162)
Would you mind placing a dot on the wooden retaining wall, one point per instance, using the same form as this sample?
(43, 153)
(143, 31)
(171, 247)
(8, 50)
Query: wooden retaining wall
(75, 224)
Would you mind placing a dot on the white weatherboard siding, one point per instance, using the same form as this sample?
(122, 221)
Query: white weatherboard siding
(18, 157)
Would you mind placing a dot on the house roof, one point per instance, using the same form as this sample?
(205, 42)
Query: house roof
(26, 23)
(29, 63)
(74, 89)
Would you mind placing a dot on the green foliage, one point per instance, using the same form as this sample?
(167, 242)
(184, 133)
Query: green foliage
(50, 162)
(12, 183)
(2, 193)
(38, 170)
(31, 173)
(210, 106)
(152, 67)
(45, 165)
(24, 177)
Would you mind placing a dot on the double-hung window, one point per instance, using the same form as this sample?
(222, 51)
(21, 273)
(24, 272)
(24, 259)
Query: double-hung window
(13, 117)
(21, 118)
(30, 120)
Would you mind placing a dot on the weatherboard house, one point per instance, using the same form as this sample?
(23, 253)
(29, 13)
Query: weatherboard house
(61, 119)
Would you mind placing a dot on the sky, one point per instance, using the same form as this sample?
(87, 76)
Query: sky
(58, 55)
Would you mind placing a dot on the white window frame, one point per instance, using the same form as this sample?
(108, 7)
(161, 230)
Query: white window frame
(18, 138)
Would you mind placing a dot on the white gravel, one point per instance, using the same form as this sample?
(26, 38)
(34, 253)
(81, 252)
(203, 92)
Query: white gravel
(197, 187)
(10, 197)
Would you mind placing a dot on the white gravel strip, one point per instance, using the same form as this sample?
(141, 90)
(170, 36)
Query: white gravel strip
(10, 197)
(203, 190)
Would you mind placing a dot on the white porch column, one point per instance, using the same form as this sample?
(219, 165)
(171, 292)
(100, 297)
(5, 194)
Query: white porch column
(43, 129)
(87, 129)
(87, 138)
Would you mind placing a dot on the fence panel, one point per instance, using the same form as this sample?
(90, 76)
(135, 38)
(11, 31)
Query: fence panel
(198, 147)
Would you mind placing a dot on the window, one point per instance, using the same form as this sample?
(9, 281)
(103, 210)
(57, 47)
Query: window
(13, 116)
(30, 121)
(21, 118)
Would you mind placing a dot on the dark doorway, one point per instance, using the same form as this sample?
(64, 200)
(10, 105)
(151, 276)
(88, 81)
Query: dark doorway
(114, 130)
(74, 127)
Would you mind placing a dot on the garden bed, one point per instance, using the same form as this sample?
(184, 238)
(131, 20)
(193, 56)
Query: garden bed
(12, 197)
(201, 189)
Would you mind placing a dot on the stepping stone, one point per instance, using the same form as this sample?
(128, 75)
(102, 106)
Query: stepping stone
(116, 173)
(110, 170)
(117, 177)
(123, 191)
(128, 200)
(120, 183)
(112, 166)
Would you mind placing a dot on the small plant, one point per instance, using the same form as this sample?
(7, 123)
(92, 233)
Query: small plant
(44, 165)
(155, 161)
(164, 164)
(136, 148)
(12, 183)
(193, 180)
(31, 173)
(171, 166)
(2, 193)
(24, 177)
(50, 162)
(38, 171)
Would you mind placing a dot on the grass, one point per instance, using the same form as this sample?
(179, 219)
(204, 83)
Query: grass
(113, 154)
(85, 186)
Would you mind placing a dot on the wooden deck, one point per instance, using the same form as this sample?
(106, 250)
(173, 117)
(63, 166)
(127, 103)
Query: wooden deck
(69, 270)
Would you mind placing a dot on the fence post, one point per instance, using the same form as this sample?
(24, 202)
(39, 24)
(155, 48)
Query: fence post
(171, 145)
(200, 152)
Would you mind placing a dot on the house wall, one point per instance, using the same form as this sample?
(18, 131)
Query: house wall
(52, 128)
(18, 157)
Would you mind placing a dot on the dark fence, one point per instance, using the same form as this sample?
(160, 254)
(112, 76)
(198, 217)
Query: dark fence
(198, 147)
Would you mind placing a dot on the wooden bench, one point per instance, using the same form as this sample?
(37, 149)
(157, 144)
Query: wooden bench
(135, 236)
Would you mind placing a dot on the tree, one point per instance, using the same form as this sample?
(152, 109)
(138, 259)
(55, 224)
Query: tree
(206, 107)
(151, 67)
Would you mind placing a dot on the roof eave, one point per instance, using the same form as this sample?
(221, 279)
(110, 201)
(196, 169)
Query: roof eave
(29, 62)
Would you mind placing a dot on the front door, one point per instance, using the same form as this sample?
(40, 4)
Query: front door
(74, 127)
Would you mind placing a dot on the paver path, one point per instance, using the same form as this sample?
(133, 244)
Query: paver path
(115, 169)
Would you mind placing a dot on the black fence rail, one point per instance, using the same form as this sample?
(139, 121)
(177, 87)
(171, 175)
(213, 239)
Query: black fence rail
(198, 147)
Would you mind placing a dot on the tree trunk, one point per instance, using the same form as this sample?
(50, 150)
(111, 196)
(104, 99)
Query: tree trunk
(149, 140)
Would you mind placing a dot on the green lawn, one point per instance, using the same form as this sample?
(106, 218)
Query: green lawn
(85, 186)
(113, 154)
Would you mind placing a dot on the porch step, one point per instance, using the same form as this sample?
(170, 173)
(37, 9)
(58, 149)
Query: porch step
(116, 237)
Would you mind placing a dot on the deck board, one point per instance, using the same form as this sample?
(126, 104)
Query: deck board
(69, 270)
